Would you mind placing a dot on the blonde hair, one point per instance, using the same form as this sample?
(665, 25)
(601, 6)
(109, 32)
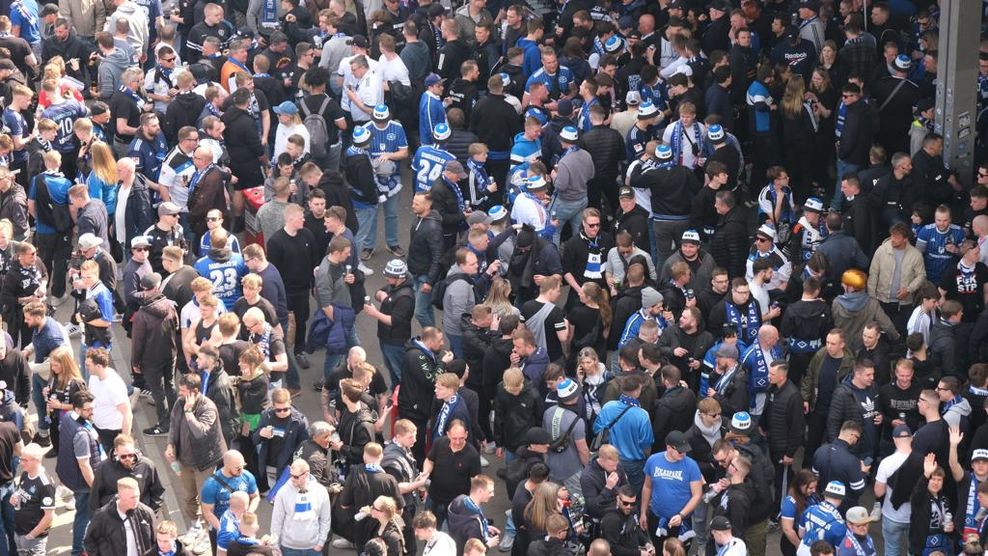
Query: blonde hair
(792, 100)
(7, 228)
(70, 369)
(104, 164)
(513, 379)
(545, 502)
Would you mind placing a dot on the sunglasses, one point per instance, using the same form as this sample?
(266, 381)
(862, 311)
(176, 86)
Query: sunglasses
(761, 239)
(626, 502)
(282, 409)
(300, 475)
(982, 175)
(597, 225)
(213, 218)
(127, 456)
(172, 59)
(139, 248)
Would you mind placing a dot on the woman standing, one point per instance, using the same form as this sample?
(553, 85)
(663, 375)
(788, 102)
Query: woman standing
(532, 526)
(931, 524)
(102, 181)
(499, 298)
(802, 495)
(591, 319)
(593, 377)
(389, 524)
(828, 59)
(65, 380)
(823, 98)
(799, 127)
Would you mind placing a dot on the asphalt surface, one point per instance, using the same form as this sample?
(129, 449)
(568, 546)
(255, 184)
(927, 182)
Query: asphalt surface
(308, 403)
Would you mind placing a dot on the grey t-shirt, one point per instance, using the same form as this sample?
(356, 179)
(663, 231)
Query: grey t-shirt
(565, 464)
(330, 287)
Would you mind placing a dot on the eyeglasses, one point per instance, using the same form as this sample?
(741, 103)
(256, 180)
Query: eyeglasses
(626, 502)
(593, 225)
(213, 218)
(300, 475)
(282, 409)
(139, 248)
(982, 175)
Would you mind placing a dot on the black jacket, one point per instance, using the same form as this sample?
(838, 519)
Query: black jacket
(220, 389)
(183, 110)
(514, 415)
(606, 147)
(943, 347)
(106, 535)
(673, 412)
(672, 189)
(476, 342)
(425, 247)
(835, 462)
(738, 507)
(622, 532)
(855, 139)
(637, 223)
(153, 333)
(919, 519)
(360, 177)
(356, 430)
(244, 145)
(450, 57)
(337, 194)
(496, 123)
(735, 397)
(463, 523)
(783, 420)
(598, 499)
(702, 453)
(417, 392)
(444, 202)
(400, 305)
(104, 488)
(729, 246)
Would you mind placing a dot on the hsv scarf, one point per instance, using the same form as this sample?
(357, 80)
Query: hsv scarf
(747, 323)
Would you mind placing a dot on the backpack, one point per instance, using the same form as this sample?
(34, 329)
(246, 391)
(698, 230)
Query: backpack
(439, 290)
(56, 215)
(315, 124)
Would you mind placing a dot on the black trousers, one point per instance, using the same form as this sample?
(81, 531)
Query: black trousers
(160, 380)
(298, 303)
(55, 250)
(816, 432)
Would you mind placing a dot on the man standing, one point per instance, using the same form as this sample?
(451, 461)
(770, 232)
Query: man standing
(896, 273)
(423, 365)
(394, 318)
(673, 487)
(857, 400)
(165, 232)
(584, 253)
(217, 490)
(836, 462)
(126, 461)
(112, 414)
(782, 422)
(79, 453)
(566, 467)
(207, 192)
(570, 177)
(630, 430)
(33, 502)
(154, 349)
(895, 520)
(123, 526)
(48, 200)
(425, 248)
(292, 250)
(301, 513)
(854, 132)
(756, 361)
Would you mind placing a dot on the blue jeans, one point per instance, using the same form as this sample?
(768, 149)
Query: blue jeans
(37, 384)
(394, 358)
(366, 236)
(842, 169)
(568, 211)
(81, 522)
(635, 470)
(423, 303)
(455, 344)
(285, 551)
(896, 537)
(7, 546)
(333, 359)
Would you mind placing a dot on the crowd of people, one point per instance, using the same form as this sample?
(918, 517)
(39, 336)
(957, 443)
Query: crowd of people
(702, 273)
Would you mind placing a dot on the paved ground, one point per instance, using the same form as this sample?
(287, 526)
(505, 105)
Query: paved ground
(308, 403)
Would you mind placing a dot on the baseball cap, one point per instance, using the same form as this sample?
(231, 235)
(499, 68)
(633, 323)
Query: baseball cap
(691, 236)
(455, 167)
(286, 107)
(168, 207)
(677, 441)
(835, 489)
(140, 241)
(359, 41)
(396, 268)
(980, 453)
(626, 192)
(901, 431)
(810, 5)
(857, 516)
(720, 523)
(436, 9)
(633, 97)
(721, 5)
(538, 435)
(766, 231)
(99, 108)
(432, 79)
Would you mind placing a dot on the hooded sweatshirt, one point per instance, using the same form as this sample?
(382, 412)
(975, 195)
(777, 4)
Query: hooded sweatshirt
(111, 67)
(852, 311)
(137, 36)
(153, 332)
(957, 412)
(301, 517)
(466, 521)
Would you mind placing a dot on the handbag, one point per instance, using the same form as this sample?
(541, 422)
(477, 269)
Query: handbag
(604, 437)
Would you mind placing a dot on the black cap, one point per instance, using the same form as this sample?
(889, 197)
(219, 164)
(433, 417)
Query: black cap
(436, 9)
(626, 192)
(720, 523)
(359, 41)
(538, 435)
(677, 440)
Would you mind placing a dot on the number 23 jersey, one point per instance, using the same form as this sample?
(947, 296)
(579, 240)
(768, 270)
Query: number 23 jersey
(225, 274)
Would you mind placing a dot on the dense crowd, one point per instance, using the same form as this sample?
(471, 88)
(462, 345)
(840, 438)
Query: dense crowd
(701, 268)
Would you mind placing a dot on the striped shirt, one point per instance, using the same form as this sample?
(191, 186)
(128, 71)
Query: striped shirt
(176, 172)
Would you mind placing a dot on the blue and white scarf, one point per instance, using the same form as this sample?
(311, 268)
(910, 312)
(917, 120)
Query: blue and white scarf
(867, 550)
(373, 468)
(841, 117)
(973, 506)
(628, 400)
(757, 363)
(746, 324)
(269, 13)
(444, 413)
(677, 140)
(196, 177)
(473, 508)
(133, 95)
(479, 183)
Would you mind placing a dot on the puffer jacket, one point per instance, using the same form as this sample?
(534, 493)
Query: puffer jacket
(844, 406)
(606, 147)
(783, 419)
(943, 347)
(883, 268)
(104, 487)
(729, 245)
(153, 333)
(107, 536)
(852, 311)
(673, 412)
(425, 247)
(220, 389)
(417, 391)
(244, 145)
(514, 415)
(139, 213)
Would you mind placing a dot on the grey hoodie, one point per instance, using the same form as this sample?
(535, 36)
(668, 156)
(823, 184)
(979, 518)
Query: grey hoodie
(301, 519)
(958, 411)
(111, 67)
(138, 19)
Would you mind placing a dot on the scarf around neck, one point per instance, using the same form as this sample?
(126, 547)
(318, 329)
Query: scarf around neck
(710, 434)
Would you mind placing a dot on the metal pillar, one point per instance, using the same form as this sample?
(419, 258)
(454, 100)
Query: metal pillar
(957, 83)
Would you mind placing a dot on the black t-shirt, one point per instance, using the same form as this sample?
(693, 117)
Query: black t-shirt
(452, 470)
(294, 257)
(331, 114)
(967, 289)
(9, 437)
(555, 322)
(270, 315)
(584, 319)
(377, 386)
(33, 496)
(122, 106)
(230, 356)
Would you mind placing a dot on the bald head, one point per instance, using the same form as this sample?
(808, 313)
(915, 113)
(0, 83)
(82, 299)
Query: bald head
(239, 501)
(768, 335)
(980, 225)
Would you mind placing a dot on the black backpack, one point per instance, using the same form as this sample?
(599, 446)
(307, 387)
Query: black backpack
(56, 215)
(439, 290)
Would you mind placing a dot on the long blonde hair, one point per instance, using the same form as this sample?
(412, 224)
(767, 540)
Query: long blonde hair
(792, 100)
(104, 165)
(545, 502)
(70, 369)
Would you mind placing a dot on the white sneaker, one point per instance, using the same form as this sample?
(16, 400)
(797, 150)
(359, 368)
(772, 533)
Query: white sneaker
(73, 330)
(363, 268)
(490, 448)
(876, 512)
(341, 543)
(484, 462)
(63, 492)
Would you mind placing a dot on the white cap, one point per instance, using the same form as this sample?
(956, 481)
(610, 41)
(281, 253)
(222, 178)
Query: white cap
(88, 241)
(647, 110)
(569, 134)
